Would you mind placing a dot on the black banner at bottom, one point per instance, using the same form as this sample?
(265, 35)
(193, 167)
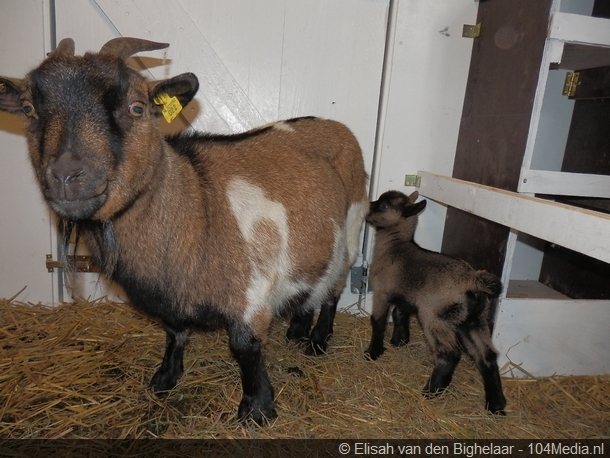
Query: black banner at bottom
(300, 448)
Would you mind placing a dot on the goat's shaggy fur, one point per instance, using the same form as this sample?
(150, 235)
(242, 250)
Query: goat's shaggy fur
(450, 299)
(201, 231)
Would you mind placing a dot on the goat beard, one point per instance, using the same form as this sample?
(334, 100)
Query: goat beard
(104, 235)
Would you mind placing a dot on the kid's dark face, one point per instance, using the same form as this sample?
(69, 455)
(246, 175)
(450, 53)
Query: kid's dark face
(387, 210)
(392, 207)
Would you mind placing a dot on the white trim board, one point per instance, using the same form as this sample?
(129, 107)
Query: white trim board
(581, 230)
(564, 183)
(548, 337)
(577, 28)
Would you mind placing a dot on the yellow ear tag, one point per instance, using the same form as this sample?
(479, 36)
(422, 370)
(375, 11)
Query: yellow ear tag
(2, 86)
(171, 106)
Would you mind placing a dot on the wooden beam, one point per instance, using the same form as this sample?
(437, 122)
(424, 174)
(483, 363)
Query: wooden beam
(577, 28)
(564, 183)
(578, 229)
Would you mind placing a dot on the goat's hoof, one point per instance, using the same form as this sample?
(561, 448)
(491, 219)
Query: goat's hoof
(373, 354)
(297, 334)
(163, 381)
(399, 342)
(259, 413)
(315, 349)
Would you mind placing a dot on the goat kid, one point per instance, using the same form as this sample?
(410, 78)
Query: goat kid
(450, 299)
(201, 231)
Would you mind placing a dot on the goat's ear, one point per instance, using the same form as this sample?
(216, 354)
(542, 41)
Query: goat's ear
(414, 195)
(10, 95)
(414, 209)
(183, 87)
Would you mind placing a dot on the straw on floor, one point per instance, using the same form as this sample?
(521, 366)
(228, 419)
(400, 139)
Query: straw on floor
(81, 370)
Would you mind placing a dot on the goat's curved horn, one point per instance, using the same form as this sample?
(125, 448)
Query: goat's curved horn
(64, 48)
(125, 47)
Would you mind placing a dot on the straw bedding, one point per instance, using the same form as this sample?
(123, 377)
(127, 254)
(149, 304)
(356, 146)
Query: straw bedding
(81, 370)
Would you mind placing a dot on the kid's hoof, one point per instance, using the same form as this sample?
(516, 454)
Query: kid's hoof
(162, 381)
(496, 409)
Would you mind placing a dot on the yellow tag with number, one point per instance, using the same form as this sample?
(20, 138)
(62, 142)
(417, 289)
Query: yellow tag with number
(171, 106)
(2, 86)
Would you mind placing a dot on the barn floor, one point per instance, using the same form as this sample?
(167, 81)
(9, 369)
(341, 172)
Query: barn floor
(81, 371)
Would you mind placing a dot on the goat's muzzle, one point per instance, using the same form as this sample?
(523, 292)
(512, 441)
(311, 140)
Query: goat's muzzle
(71, 190)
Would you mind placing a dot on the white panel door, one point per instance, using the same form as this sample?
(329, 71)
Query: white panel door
(257, 61)
(25, 221)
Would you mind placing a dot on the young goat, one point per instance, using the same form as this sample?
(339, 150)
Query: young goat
(201, 231)
(451, 299)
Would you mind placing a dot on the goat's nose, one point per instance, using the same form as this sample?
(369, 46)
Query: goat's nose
(67, 176)
(67, 169)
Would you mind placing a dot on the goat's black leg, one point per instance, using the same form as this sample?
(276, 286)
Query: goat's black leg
(300, 324)
(401, 334)
(379, 321)
(323, 329)
(477, 343)
(257, 399)
(445, 363)
(171, 368)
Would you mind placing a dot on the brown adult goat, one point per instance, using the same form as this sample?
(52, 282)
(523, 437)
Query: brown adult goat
(201, 231)
(450, 299)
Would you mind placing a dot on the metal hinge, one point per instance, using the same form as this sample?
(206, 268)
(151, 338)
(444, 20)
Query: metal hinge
(77, 264)
(359, 279)
(571, 83)
(471, 31)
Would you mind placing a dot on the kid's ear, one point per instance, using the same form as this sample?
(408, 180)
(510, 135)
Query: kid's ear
(183, 87)
(414, 195)
(414, 209)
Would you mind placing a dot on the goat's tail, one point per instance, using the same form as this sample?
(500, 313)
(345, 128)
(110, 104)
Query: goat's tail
(488, 283)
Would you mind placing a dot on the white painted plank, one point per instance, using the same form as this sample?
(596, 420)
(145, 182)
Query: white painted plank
(581, 230)
(329, 49)
(247, 35)
(576, 28)
(537, 107)
(564, 183)
(553, 336)
(26, 223)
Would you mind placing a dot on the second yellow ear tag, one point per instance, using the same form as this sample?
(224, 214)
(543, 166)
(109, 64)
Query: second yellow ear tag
(171, 106)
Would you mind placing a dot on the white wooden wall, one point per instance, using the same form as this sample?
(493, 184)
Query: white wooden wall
(426, 84)
(25, 222)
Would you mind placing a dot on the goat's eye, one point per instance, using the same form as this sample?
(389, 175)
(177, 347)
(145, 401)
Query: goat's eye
(136, 109)
(29, 109)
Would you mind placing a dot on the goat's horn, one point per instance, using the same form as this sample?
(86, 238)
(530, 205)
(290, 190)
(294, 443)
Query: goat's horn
(125, 47)
(64, 48)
